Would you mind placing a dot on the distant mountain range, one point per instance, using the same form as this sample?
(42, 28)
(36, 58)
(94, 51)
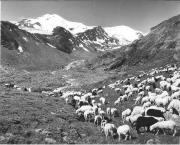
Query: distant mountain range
(46, 23)
(51, 41)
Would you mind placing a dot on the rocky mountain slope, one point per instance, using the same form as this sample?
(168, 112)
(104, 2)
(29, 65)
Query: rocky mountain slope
(156, 47)
(22, 49)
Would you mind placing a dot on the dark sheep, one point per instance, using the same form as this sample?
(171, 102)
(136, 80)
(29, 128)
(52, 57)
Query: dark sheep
(155, 113)
(82, 103)
(143, 121)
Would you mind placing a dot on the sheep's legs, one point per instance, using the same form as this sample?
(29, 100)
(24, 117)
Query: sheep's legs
(126, 137)
(174, 132)
(119, 137)
(157, 132)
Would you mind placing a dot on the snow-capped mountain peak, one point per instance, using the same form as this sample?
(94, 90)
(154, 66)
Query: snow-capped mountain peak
(46, 24)
(123, 33)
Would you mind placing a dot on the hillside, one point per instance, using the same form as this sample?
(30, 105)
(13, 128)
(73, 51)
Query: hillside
(158, 46)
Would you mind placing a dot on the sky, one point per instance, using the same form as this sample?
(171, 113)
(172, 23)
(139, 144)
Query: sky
(138, 14)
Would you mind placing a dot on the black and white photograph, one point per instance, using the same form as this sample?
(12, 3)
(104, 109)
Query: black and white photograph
(90, 72)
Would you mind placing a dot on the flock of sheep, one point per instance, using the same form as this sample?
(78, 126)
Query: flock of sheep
(156, 97)
(156, 103)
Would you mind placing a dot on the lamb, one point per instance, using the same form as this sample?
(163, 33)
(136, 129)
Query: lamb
(109, 129)
(145, 122)
(124, 130)
(169, 124)
(125, 113)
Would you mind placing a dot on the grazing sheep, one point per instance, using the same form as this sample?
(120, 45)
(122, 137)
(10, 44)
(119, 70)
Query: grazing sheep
(144, 99)
(169, 124)
(154, 112)
(147, 104)
(158, 91)
(109, 129)
(84, 108)
(175, 95)
(88, 114)
(144, 121)
(137, 100)
(175, 103)
(97, 120)
(108, 111)
(103, 100)
(102, 113)
(117, 102)
(125, 113)
(114, 112)
(137, 110)
(124, 130)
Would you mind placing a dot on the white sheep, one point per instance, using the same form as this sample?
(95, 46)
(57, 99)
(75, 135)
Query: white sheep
(84, 108)
(137, 110)
(88, 115)
(175, 95)
(108, 111)
(175, 103)
(124, 130)
(103, 100)
(109, 129)
(97, 119)
(147, 88)
(147, 104)
(158, 91)
(162, 101)
(145, 99)
(169, 124)
(114, 112)
(117, 102)
(137, 99)
(125, 113)
(102, 113)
